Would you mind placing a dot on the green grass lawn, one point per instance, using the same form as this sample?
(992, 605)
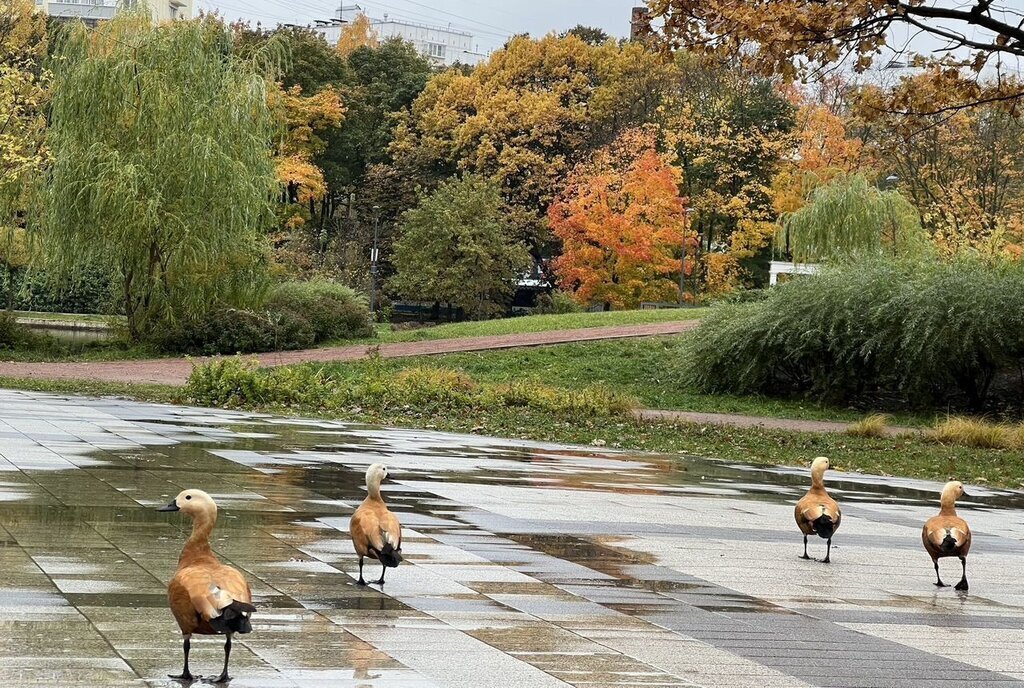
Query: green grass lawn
(541, 323)
(645, 368)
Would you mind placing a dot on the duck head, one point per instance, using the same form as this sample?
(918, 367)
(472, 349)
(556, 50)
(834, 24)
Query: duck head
(818, 468)
(193, 503)
(953, 491)
(376, 474)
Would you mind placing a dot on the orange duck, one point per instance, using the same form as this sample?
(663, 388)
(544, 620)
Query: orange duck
(375, 531)
(948, 535)
(817, 513)
(206, 597)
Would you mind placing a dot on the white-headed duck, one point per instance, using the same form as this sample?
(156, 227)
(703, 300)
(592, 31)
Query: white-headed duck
(816, 512)
(206, 597)
(948, 535)
(375, 531)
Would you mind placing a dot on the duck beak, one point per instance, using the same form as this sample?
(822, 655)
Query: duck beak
(173, 506)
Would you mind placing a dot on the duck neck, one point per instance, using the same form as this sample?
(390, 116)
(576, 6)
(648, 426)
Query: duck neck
(202, 526)
(947, 505)
(818, 479)
(373, 488)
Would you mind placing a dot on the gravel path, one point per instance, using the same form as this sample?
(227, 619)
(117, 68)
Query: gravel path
(175, 371)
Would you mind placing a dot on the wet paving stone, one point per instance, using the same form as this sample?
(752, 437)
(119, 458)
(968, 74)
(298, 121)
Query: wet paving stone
(526, 565)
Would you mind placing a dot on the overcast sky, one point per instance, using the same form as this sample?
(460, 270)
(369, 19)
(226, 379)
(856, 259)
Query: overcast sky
(490, 21)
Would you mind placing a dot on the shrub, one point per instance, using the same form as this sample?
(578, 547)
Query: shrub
(557, 303)
(296, 315)
(870, 426)
(923, 334)
(235, 382)
(320, 311)
(971, 432)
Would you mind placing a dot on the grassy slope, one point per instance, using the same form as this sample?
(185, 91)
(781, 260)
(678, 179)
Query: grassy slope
(118, 351)
(542, 323)
(644, 368)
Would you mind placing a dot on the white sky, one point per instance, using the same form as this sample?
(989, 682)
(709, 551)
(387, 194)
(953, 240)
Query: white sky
(491, 22)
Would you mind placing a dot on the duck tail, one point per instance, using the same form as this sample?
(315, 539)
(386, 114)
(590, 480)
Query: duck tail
(388, 555)
(949, 543)
(824, 527)
(234, 618)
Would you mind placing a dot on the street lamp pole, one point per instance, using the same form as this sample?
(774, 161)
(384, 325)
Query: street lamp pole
(682, 261)
(374, 256)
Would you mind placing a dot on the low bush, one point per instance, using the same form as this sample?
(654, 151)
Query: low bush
(324, 310)
(874, 425)
(296, 315)
(924, 335)
(236, 382)
(978, 434)
(557, 302)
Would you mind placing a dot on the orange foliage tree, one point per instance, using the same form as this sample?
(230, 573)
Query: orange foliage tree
(824, 151)
(621, 221)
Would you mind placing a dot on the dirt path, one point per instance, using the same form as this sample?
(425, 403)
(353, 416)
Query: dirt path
(175, 371)
(740, 421)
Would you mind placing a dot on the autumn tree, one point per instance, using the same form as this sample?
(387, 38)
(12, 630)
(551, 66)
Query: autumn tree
(731, 132)
(306, 119)
(796, 38)
(456, 248)
(358, 34)
(525, 117)
(825, 148)
(161, 167)
(23, 90)
(621, 221)
(963, 169)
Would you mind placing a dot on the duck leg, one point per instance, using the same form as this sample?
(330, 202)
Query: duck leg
(828, 553)
(805, 549)
(361, 581)
(938, 579)
(224, 678)
(383, 570)
(962, 585)
(185, 675)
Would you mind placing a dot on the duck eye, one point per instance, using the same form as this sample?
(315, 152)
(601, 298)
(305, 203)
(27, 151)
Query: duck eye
(188, 496)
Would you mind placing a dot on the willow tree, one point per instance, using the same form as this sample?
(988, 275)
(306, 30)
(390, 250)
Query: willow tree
(847, 218)
(161, 166)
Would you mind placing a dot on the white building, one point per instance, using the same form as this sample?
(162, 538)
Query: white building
(443, 46)
(93, 11)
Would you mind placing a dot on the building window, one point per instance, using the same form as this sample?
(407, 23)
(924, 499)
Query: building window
(436, 50)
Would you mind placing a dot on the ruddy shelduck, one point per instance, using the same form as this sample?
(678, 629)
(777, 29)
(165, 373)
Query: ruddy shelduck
(206, 597)
(948, 535)
(816, 512)
(375, 531)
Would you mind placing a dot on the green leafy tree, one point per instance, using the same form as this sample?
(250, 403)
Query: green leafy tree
(455, 248)
(161, 165)
(593, 35)
(850, 218)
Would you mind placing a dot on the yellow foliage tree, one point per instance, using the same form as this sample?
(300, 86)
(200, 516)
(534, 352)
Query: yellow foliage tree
(358, 34)
(962, 169)
(525, 117)
(824, 151)
(306, 117)
(23, 90)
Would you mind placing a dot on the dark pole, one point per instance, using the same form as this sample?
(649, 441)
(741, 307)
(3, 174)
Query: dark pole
(374, 254)
(682, 262)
